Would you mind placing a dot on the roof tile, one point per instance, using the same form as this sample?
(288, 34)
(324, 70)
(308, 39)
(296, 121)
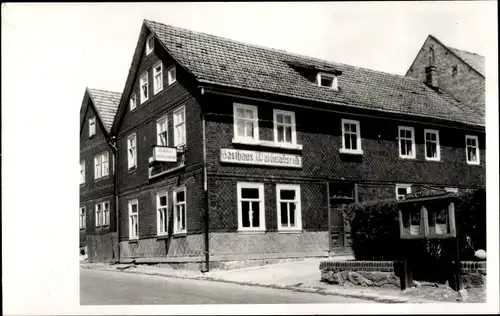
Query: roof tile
(106, 103)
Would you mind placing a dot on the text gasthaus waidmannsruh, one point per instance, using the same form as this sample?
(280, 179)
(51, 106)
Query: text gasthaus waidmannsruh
(260, 158)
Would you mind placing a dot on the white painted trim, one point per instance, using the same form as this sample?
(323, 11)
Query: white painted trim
(98, 214)
(129, 163)
(84, 208)
(149, 49)
(158, 121)
(267, 143)
(298, 208)
(159, 88)
(130, 203)
(358, 150)
(255, 118)
(413, 151)
(141, 83)
(104, 216)
(476, 138)
(292, 125)
(403, 186)
(92, 127)
(134, 98)
(334, 78)
(82, 164)
(174, 199)
(171, 79)
(451, 190)
(159, 194)
(438, 147)
(261, 200)
(177, 142)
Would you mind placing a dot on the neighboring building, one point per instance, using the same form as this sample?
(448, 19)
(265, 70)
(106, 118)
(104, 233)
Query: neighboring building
(97, 182)
(459, 73)
(262, 143)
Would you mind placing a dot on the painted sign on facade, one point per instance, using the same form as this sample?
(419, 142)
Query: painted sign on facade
(165, 154)
(251, 157)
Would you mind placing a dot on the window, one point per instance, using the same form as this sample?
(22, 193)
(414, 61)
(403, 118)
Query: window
(161, 219)
(288, 206)
(406, 142)
(180, 126)
(161, 131)
(133, 102)
(158, 78)
(180, 210)
(402, 190)
(246, 125)
(92, 126)
(101, 165)
(432, 150)
(105, 210)
(327, 80)
(472, 149)
(132, 151)
(250, 206)
(149, 44)
(351, 137)
(83, 217)
(82, 172)
(144, 87)
(133, 219)
(284, 127)
(172, 75)
(98, 214)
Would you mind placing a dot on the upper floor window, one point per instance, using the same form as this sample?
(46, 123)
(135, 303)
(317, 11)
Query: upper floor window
(133, 219)
(180, 126)
(133, 102)
(132, 151)
(402, 190)
(472, 149)
(246, 125)
(144, 87)
(172, 75)
(161, 131)
(92, 126)
(102, 214)
(82, 172)
(327, 80)
(251, 206)
(288, 206)
(284, 127)
(150, 44)
(158, 77)
(180, 210)
(161, 215)
(101, 165)
(83, 217)
(432, 149)
(351, 137)
(406, 142)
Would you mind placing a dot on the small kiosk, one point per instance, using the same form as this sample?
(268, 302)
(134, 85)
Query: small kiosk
(428, 213)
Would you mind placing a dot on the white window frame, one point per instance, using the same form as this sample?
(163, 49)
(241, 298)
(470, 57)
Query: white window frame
(82, 172)
(106, 213)
(92, 124)
(159, 121)
(133, 101)
(83, 217)
(132, 162)
(438, 148)
(292, 125)
(99, 165)
(130, 215)
(298, 210)
(171, 75)
(412, 139)
(177, 230)
(158, 86)
(402, 186)
(333, 85)
(149, 49)
(255, 121)
(179, 142)
(345, 150)
(98, 214)
(478, 159)
(160, 230)
(144, 80)
(262, 217)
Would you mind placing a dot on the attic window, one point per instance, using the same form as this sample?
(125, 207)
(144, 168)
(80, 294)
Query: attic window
(149, 44)
(327, 80)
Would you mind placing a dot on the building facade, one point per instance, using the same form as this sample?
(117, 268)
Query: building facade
(230, 151)
(97, 212)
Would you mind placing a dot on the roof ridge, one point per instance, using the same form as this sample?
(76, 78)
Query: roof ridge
(103, 90)
(282, 51)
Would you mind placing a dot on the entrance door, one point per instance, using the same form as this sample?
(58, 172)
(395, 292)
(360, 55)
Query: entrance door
(341, 193)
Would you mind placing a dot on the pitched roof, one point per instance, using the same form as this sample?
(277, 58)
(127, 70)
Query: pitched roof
(474, 60)
(225, 62)
(106, 103)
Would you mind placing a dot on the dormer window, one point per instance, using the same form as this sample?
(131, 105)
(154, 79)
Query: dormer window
(327, 80)
(149, 44)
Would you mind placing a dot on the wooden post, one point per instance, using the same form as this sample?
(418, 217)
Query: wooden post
(330, 246)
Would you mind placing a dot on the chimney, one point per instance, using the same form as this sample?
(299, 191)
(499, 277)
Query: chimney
(431, 76)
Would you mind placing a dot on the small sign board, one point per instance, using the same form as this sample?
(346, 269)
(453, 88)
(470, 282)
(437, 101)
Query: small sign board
(164, 154)
(251, 157)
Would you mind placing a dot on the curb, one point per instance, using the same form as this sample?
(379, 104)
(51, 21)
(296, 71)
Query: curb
(366, 296)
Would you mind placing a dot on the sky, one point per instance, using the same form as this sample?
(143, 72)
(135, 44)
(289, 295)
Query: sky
(51, 52)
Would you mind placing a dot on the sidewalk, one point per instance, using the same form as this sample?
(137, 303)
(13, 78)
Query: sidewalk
(299, 276)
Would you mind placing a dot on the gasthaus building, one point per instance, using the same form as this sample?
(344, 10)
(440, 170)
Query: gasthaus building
(229, 151)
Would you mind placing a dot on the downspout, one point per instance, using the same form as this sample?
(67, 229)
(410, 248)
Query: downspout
(205, 190)
(114, 148)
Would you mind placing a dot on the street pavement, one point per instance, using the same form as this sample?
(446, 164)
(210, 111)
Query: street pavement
(117, 288)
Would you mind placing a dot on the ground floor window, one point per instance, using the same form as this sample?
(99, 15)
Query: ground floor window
(402, 190)
(82, 217)
(162, 218)
(180, 210)
(250, 206)
(288, 206)
(98, 215)
(102, 214)
(133, 222)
